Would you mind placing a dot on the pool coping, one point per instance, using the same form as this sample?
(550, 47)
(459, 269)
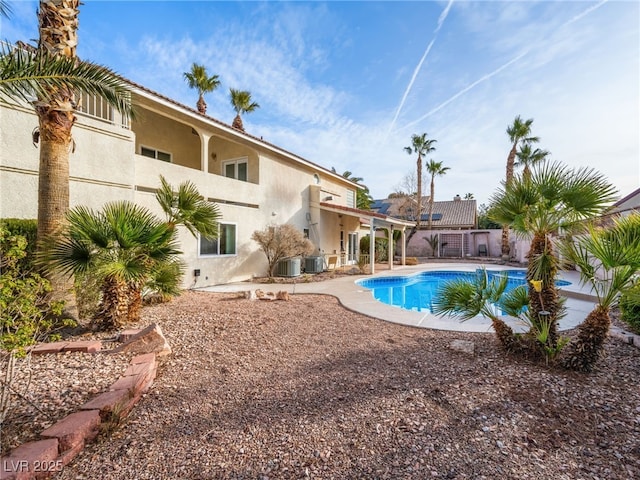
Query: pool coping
(360, 299)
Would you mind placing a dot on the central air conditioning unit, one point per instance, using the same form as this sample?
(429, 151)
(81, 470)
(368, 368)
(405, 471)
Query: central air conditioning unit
(313, 264)
(289, 267)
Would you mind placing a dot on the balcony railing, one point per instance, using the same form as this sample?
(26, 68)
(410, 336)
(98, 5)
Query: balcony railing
(98, 108)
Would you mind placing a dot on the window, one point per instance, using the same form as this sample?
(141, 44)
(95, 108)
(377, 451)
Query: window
(225, 244)
(351, 199)
(235, 169)
(157, 154)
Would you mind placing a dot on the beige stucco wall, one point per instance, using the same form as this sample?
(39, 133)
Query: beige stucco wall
(106, 166)
(162, 133)
(101, 169)
(222, 150)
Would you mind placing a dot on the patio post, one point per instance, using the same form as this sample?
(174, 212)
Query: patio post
(391, 246)
(372, 246)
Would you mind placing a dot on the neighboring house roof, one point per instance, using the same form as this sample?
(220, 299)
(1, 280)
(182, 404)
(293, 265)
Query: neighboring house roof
(446, 214)
(626, 204)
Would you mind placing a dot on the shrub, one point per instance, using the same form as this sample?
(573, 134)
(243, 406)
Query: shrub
(28, 229)
(382, 248)
(25, 312)
(630, 307)
(281, 241)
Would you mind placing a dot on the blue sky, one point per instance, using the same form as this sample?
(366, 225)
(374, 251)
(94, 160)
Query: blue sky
(346, 84)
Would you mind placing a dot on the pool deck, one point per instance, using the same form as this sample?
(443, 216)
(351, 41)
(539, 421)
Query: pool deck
(359, 299)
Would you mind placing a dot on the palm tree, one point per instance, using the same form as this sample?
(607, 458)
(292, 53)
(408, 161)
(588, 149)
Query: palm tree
(363, 197)
(553, 198)
(468, 196)
(527, 157)
(122, 244)
(241, 102)
(421, 146)
(187, 207)
(519, 134)
(481, 295)
(435, 169)
(198, 79)
(608, 259)
(131, 250)
(55, 105)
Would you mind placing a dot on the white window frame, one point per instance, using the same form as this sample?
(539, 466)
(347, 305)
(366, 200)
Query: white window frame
(351, 199)
(235, 162)
(218, 254)
(155, 152)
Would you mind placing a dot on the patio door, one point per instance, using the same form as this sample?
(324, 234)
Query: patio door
(352, 248)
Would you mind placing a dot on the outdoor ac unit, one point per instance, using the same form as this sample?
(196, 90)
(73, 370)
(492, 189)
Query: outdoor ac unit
(289, 267)
(313, 265)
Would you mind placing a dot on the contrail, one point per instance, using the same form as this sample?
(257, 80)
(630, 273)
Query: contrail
(441, 20)
(499, 69)
(466, 89)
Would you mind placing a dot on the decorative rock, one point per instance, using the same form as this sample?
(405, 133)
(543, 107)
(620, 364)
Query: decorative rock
(74, 429)
(54, 347)
(126, 335)
(463, 346)
(149, 340)
(282, 295)
(19, 464)
(89, 346)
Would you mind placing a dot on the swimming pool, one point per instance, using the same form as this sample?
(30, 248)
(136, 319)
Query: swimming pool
(417, 292)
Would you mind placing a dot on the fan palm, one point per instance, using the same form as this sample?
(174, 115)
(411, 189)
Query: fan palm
(527, 157)
(435, 169)
(554, 197)
(53, 75)
(241, 103)
(363, 197)
(198, 79)
(519, 134)
(187, 207)
(122, 244)
(608, 260)
(482, 295)
(421, 146)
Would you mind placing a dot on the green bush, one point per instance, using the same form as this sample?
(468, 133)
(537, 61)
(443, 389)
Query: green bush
(26, 315)
(382, 248)
(630, 308)
(28, 229)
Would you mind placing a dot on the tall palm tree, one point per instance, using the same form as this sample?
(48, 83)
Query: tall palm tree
(363, 196)
(528, 157)
(198, 79)
(435, 169)
(519, 134)
(241, 102)
(468, 196)
(554, 197)
(421, 146)
(608, 259)
(55, 106)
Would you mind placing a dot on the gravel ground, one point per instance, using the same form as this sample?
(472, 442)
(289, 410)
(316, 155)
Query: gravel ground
(305, 389)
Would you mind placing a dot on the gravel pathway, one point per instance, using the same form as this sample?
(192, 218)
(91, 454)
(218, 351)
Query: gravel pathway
(305, 389)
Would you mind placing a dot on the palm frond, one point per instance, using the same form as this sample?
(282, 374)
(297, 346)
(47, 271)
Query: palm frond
(25, 76)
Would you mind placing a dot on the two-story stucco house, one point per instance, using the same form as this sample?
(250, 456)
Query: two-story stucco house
(255, 184)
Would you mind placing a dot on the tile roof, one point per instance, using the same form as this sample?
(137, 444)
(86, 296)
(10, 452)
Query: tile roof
(446, 214)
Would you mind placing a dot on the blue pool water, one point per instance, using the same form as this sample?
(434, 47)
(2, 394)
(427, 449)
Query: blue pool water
(417, 292)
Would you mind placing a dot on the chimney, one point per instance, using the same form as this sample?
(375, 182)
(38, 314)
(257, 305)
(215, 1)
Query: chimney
(457, 198)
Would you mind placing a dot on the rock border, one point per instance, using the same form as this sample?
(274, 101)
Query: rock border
(60, 443)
